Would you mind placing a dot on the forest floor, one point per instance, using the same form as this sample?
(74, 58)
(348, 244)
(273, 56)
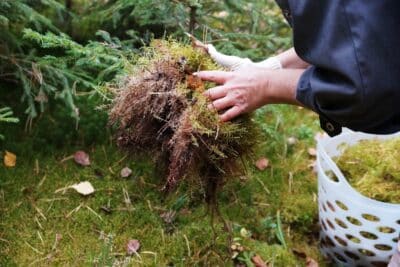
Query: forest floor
(273, 213)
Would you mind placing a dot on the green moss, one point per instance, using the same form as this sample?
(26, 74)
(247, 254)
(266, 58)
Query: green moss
(244, 202)
(372, 167)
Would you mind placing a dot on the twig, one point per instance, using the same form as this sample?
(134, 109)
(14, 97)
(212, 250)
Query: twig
(57, 239)
(40, 237)
(263, 185)
(187, 245)
(38, 223)
(33, 248)
(95, 213)
(41, 181)
(73, 211)
(262, 204)
(67, 158)
(127, 199)
(37, 169)
(39, 211)
(63, 189)
(290, 181)
(53, 199)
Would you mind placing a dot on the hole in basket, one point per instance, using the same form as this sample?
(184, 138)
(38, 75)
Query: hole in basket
(366, 252)
(340, 241)
(328, 257)
(330, 206)
(379, 264)
(351, 255)
(395, 240)
(339, 257)
(323, 207)
(368, 235)
(322, 243)
(370, 217)
(353, 239)
(340, 223)
(353, 220)
(341, 205)
(329, 242)
(398, 221)
(386, 230)
(324, 225)
(383, 247)
(332, 176)
(330, 224)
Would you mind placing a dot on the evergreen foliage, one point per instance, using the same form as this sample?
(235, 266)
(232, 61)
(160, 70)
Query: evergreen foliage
(6, 115)
(57, 51)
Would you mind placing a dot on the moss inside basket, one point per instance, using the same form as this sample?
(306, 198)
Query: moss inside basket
(373, 168)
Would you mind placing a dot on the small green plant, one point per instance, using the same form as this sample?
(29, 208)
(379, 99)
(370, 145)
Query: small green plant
(274, 227)
(105, 257)
(245, 258)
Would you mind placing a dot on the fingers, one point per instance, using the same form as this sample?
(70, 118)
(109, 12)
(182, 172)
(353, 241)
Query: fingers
(231, 113)
(222, 103)
(216, 92)
(219, 77)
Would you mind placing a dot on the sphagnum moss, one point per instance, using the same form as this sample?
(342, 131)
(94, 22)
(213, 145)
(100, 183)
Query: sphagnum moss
(160, 109)
(373, 168)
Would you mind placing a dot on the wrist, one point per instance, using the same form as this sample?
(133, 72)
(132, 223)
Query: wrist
(282, 86)
(272, 63)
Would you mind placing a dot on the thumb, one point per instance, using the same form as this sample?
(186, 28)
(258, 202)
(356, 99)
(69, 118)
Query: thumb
(217, 76)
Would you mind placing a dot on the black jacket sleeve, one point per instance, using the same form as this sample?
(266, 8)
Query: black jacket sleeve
(354, 49)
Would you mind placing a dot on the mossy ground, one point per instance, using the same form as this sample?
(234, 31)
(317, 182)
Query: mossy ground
(32, 214)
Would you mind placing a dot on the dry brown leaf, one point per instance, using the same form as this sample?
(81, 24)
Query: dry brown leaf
(83, 188)
(132, 247)
(310, 262)
(126, 172)
(10, 159)
(82, 158)
(258, 262)
(312, 152)
(262, 164)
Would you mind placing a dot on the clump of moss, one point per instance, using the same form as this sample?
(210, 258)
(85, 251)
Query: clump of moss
(373, 168)
(160, 109)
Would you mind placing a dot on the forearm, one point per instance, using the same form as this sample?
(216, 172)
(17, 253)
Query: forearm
(282, 86)
(290, 60)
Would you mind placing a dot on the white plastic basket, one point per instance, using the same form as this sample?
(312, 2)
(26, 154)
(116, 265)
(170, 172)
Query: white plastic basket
(355, 230)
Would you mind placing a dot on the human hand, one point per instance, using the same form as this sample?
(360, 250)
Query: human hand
(238, 92)
(249, 88)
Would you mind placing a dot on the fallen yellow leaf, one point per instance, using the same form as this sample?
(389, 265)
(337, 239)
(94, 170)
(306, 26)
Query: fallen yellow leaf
(10, 159)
